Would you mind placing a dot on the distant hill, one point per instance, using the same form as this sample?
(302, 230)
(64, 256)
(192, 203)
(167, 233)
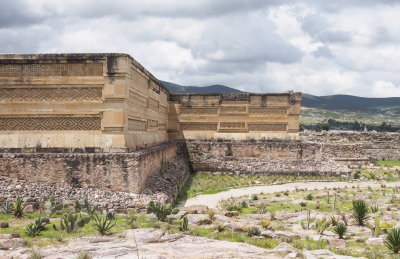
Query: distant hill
(317, 109)
(212, 89)
(353, 103)
(334, 102)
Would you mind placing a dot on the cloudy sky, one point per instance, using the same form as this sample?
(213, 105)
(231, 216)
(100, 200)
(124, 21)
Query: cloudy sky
(319, 47)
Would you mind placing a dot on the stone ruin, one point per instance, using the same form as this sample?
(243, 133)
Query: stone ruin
(101, 126)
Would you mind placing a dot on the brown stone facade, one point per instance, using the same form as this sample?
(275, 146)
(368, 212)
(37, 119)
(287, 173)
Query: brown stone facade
(103, 121)
(234, 116)
(110, 103)
(104, 102)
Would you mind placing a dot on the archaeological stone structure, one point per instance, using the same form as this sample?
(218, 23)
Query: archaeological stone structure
(100, 122)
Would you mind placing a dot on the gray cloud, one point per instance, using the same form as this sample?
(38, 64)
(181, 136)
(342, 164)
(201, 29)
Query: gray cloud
(314, 46)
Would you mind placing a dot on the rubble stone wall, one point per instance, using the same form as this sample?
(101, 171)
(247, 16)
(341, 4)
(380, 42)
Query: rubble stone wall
(121, 172)
(286, 157)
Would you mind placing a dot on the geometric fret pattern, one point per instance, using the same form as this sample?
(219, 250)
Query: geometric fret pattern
(51, 94)
(232, 125)
(51, 123)
(268, 111)
(266, 127)
(277, 100)
(136, 125)
(233, 109)
(61, 69)
(198, 111)
(198, 126)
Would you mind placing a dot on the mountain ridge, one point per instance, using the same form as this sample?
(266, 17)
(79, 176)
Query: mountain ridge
(335, 102)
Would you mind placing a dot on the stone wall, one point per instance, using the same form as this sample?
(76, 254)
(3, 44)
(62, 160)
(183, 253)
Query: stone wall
(263, 157)
(356, 145)
(234, 116)
(161, 185)
(107, 102)
(120, 172)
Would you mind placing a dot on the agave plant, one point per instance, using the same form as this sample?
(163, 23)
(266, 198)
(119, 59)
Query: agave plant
(6, 207)
(103, 224)
(360, 211)
(31, 230)
(340, 229)
(18, 208)
(393, 240)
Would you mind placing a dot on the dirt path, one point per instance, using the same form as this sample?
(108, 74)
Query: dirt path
(212, 200)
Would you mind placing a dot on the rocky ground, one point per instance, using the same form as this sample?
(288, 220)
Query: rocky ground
(153, 243)
(212, 200)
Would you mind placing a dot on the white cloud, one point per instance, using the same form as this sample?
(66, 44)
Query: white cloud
(318, 47)
(384, 89)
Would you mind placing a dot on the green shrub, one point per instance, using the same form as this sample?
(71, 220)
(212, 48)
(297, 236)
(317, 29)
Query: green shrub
(253, 231)
(18, 208)
(131, 218)
(104, 224)
(184, 224)
(220, 228)
(234, 208)
(211, 214)
(393, 240)
(244, 204)
(265, 223)
(83, 255)
(254, 197)
(360, 211)
(309, 197)
(33, 254)
(340, 229)
(303, 204)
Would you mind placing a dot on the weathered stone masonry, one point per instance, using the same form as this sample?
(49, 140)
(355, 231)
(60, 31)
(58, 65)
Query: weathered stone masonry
(120, 172)
(102, 120)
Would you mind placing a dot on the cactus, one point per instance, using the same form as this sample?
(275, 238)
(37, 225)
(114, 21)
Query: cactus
(161, 210)
(184, 225)
(321, 225)
(71, 222)
(376, 228)
(307, 223)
